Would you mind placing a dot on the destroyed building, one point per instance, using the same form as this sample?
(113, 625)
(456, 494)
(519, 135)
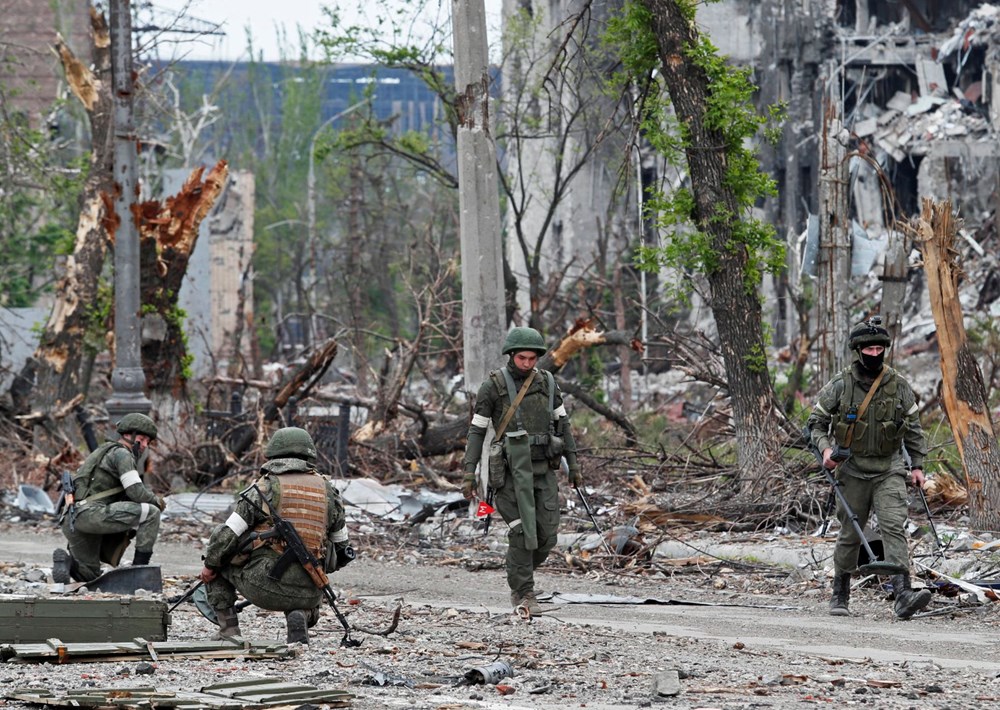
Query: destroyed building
(912, 86)
(894, 100)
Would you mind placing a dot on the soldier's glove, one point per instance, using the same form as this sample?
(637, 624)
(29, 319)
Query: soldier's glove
(469, 484)
(575, 477)
(160, 502)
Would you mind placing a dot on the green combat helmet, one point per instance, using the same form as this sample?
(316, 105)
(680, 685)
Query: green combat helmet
(870, 332)
(521, 339)
(134, 423)
(291, 442)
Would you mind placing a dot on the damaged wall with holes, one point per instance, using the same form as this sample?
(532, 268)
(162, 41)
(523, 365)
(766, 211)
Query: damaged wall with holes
(917, 83)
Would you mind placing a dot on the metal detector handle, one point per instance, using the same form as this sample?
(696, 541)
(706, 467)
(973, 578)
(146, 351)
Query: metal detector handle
(590, 514)
(930, 520)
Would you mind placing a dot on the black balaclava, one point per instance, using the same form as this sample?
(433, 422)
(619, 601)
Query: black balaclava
(871, 363)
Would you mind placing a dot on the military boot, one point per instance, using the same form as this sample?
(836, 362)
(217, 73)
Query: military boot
(841, 595)
(527, 600)
(908, 602)
(297, 622)
(229, 623)
(62, 563)
(142, 558)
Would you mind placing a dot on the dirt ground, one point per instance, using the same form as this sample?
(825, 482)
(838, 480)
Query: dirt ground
(736, 640)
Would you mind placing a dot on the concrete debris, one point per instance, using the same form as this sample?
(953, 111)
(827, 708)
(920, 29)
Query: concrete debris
(980, 28)
(666, 685)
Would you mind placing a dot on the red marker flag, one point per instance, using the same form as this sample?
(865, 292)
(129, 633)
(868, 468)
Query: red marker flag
(484, 509)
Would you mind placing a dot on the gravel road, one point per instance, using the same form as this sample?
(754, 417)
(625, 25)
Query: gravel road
(743, 639)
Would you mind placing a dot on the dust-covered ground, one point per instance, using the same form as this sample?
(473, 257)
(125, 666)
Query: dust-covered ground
(749, 634)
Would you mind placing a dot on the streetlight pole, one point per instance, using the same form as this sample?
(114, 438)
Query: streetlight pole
(311, 193)
(127, 379)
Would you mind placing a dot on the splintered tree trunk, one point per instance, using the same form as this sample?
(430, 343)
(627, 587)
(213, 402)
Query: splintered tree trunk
(963, 390)
(57, 360)
(736, 308)
(168, 231)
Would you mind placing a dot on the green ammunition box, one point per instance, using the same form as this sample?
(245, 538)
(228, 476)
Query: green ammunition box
(25, 619)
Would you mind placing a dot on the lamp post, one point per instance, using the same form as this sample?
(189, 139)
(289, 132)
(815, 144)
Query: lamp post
(127, 379)
(311, 193)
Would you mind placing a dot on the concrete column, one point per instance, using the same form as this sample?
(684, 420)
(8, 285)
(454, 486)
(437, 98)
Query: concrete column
(483, 316)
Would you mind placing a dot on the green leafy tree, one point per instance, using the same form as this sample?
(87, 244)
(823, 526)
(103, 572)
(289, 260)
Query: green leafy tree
(710, 227)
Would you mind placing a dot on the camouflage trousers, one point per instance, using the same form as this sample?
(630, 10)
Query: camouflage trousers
(886, 496)
(101, 533)
(295, 590)
(521, 562)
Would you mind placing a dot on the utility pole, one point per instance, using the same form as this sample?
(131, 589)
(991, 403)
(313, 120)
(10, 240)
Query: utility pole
(483, 315)
(834, 241)
(127, 379)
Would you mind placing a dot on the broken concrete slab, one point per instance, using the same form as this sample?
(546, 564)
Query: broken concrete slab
(899, 102)
(866, 127)
(930, 76)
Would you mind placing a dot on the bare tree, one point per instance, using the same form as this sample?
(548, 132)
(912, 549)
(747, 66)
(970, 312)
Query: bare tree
(966, 400)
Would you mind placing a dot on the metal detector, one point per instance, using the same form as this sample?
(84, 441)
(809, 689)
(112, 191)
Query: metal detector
(880, 567)
(930, 521)
(590, 514)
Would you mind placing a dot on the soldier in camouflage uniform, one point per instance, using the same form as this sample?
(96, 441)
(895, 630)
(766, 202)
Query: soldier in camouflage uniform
(874, 476)
(537, 437)
(112, 506)
(236, 560)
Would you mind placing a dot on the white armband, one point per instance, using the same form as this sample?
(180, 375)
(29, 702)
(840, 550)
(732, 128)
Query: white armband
(129, 478)
(913, 409)
(480, 421)
(237, 524)
(821, 409)
(144, 509)
(559, 411)
(339, 535)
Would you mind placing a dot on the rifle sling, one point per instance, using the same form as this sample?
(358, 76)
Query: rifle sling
(863, 408)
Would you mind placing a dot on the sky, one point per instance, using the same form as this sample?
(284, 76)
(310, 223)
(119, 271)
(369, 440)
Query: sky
(267, 18)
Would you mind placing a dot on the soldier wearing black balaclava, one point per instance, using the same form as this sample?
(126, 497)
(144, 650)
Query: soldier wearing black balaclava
(874, 475)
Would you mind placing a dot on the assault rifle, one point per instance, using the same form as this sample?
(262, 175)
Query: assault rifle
(66, 504)
(294, 546)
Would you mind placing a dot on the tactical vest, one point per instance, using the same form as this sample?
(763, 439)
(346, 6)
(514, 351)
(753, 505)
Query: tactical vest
(301, 499)
(879, 433)
(90, 479)
(534, 414)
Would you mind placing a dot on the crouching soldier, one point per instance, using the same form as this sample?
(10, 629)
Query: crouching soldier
(112, 505)
(245, 555)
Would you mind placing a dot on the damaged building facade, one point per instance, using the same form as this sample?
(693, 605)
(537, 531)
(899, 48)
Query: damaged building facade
(888, 103)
